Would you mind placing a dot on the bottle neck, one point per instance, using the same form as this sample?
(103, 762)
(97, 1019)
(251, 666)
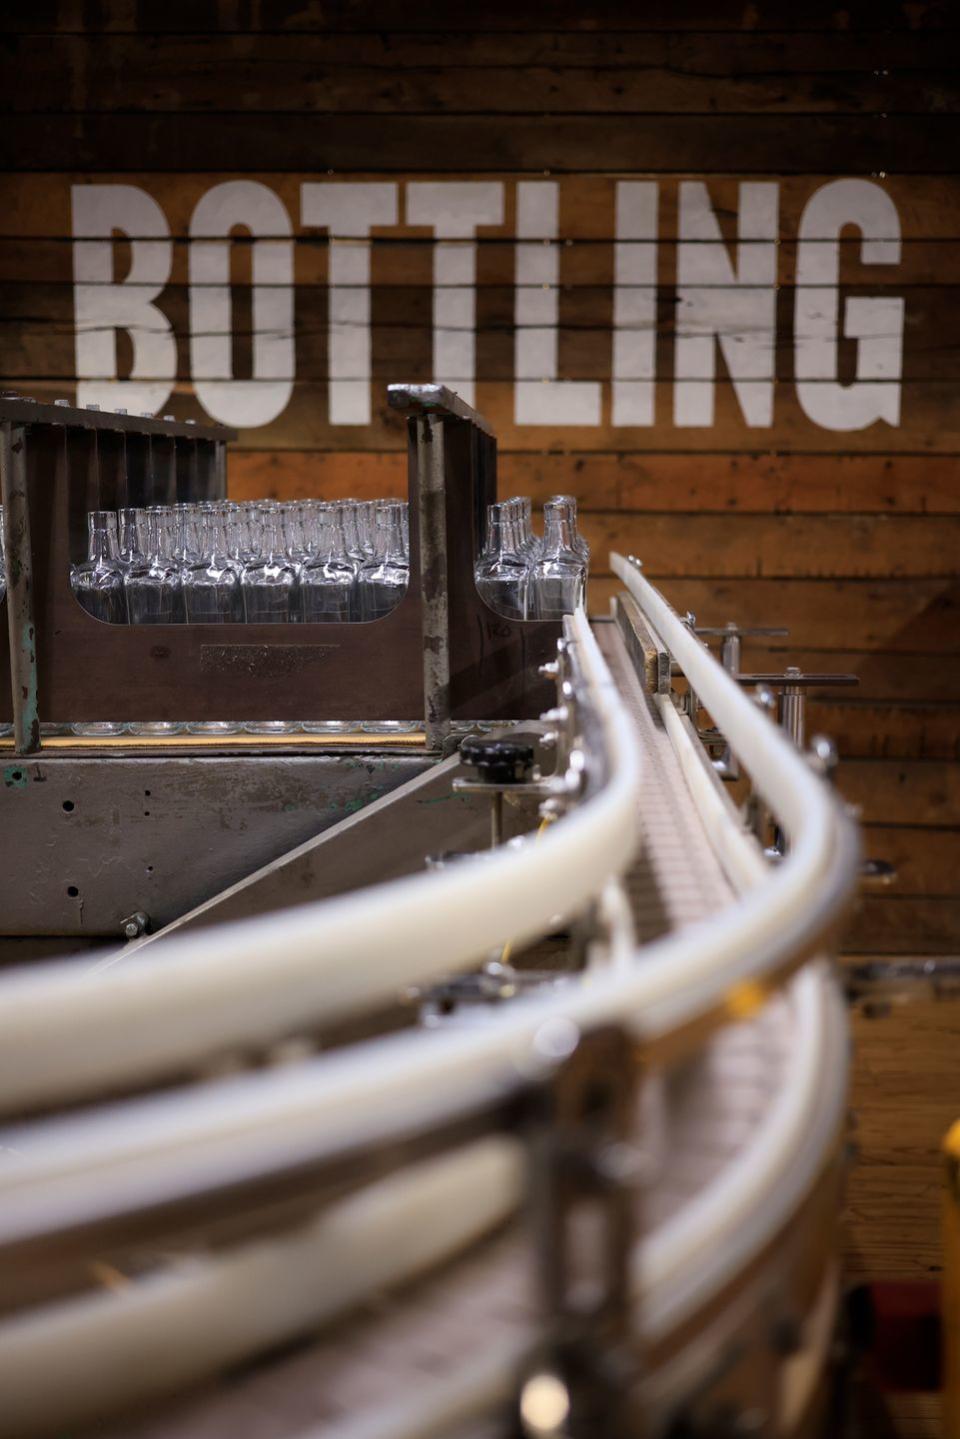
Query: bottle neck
(389, 534)
(502, 537)
(166, 535)
(129, 543)
(271, 536)
(557, 535)
(99, 542)
(215, 536)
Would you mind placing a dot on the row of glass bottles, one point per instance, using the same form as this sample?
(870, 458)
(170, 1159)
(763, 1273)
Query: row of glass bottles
(261, 562)
(527, 578)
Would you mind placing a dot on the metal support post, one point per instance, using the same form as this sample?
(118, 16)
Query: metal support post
(19, 568)
(793, 708)
(585, 1180)
(434, 580)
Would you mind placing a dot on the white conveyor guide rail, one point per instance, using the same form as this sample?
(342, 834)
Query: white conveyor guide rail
(677, 987)
(67, 1031)
(684, 980)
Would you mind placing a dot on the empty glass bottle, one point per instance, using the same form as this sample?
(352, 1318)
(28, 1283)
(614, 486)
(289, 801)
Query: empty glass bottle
(382, 580)
(502, 572)
(328, 578)
(152, 578)
(269, 583)
(559, 576)
(97, 581)
(211, 583)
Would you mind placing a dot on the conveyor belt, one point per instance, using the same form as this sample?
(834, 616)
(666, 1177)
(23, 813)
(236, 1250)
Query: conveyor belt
(691, 1126)
(676, 878)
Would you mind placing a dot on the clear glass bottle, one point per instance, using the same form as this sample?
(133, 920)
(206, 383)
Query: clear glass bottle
(347, 511)
(211, 587)
(211, 582)
(153, 583)
(328, 578)
(152, 578)
(559, 576)
(528, 544)
(269, 583)
(97, 581)
(578, 543)
(98, 585)
(383, 578)
(502, 572)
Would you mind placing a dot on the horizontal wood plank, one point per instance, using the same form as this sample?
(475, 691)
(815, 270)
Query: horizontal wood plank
(364, 16)
(789, 55)
(907, 925)
(931, 422)
(349, 16)
(38, 326)
(319, 72)
(767, 546)
(901, 730)
(927, 861)
(897, 617)
(928, 204)
(909, 484)
(562, 144)
(902, 792)
(882, 676)
(398, 260)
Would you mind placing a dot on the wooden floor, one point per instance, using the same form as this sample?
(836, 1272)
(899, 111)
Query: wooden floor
(906, 1093)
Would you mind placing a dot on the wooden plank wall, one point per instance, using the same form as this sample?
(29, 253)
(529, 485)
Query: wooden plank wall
(850, 539)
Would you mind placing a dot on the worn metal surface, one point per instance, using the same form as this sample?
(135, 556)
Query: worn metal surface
(647, 653)
(391, 837)
(428, 431)
(86, 843)
(21, 624)
(79, 460)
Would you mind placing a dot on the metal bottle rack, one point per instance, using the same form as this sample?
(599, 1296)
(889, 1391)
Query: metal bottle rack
(442, 653)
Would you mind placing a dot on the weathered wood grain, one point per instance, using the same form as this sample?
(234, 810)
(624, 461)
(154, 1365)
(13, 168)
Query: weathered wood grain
(402, 257)
(562, 144)
(927, 861)
(321, 72)
(927, 202)
(931, 423)
(624, 480)
(905, 924)
(768, 546)
(921, 792)
(899, 730)
(363, 16)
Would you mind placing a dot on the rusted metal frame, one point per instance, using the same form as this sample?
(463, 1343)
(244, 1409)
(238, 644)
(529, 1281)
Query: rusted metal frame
(582, 1157)
(21, 621)
(19, 410)
(428, 433)
(161, 834)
